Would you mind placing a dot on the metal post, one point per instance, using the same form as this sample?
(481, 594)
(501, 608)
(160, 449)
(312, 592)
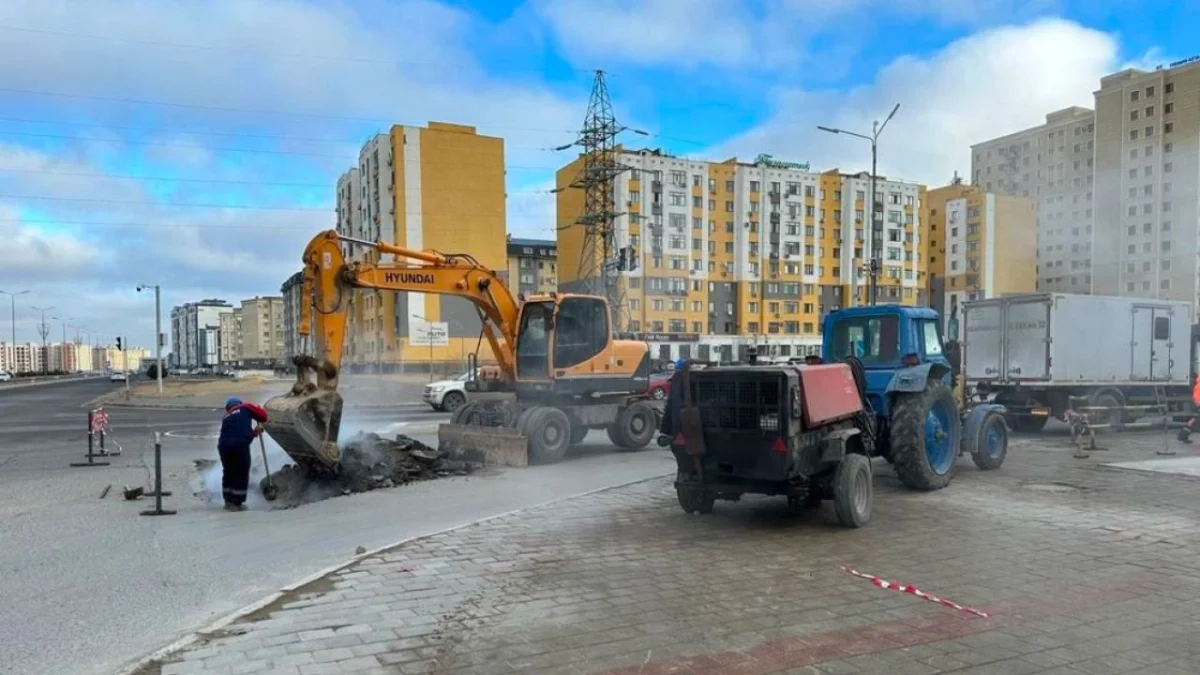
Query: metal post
(873, 270)
(157, 339)
(91, 457)
(158, 491)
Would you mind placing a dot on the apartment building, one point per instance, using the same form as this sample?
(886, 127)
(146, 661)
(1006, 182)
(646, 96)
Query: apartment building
(22, 357)
(1116, 188)
(292, 291)
(230, 337)
(981, 245)
(195, 333)
(1053, 165)
(1148, 183)
(532, 265)
(110, 358)
(262, 331)
(437, 187)
(732, 254)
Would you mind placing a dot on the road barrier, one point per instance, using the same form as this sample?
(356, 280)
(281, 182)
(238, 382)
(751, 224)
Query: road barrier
(158, 493)
(97, 422)
(1084, 420)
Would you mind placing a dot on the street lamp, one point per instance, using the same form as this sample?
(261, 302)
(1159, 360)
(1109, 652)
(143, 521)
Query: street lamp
(873, 139)
(13, 301)
(158, 369)
(44, 331)
(428, 336)
(62, 347)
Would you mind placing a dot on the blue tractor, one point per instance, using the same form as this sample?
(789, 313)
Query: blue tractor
(907, 381)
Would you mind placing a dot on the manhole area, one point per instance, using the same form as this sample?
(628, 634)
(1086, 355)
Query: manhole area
(1053, 487)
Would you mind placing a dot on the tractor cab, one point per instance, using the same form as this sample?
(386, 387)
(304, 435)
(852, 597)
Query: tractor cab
(899, 346)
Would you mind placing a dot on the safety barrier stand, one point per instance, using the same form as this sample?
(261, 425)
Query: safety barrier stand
(158, 493)
(1080, 420)
(93, 429)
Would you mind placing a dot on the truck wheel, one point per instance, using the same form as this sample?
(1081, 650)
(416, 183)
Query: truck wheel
(853, 490)
(549, 434)
(992, 445)
(695, 499)
(1028, 424)
(453, 400)
(1113, 417)
(634, 427)
(578, 433)
(925, 437)
(462, 414)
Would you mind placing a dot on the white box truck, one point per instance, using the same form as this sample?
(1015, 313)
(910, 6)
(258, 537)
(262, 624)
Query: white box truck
(1033, 353)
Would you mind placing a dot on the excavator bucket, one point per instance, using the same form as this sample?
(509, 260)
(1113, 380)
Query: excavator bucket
(305, 421)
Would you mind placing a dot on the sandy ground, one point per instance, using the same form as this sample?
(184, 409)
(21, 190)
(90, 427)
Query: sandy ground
(175, 389)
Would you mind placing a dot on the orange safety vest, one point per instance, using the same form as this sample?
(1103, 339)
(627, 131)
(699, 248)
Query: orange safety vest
(1196, 391)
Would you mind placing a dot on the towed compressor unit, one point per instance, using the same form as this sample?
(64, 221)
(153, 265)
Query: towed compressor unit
(799, 432)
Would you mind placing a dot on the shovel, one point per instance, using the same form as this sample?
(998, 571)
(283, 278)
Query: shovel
(270, 491)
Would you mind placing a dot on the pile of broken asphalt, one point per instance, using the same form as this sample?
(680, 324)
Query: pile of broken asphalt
(368, 462)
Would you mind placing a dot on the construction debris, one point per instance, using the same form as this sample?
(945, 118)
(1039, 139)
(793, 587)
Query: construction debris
(368, 462)
(132, 493)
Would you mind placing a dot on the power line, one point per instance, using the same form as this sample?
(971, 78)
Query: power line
(191, 146)
(251, 207)
(315, 57)
(253, 111)
(229, 134)
(171, 179)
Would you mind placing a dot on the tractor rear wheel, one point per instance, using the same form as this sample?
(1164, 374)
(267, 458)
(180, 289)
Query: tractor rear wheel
(695, 499)
(926, 435)
(549, 434)
(634, 427)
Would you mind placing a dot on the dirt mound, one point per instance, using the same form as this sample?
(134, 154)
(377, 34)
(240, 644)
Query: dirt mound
(368, 462)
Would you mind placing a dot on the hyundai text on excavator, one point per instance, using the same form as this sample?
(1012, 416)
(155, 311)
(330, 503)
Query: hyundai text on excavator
(560, 372)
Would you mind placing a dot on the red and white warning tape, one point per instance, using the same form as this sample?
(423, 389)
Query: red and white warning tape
(913, 590)
(100, 426)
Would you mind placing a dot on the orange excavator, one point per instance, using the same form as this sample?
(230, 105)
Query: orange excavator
(560, 372)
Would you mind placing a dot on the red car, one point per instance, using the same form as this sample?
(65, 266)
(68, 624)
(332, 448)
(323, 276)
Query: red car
(660, 386)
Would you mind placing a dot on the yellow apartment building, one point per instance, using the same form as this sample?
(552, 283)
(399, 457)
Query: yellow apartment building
(732, 254)
(982, 245)
(438, 187)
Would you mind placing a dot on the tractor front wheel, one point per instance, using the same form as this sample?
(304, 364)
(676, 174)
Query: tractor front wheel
(991, 447)
(926, 435)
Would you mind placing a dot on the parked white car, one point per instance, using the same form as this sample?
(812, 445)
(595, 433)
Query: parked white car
(117, 376)
(5, 377)
(447, 395)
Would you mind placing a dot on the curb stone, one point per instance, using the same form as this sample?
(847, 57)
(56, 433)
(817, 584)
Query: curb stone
(225, 621)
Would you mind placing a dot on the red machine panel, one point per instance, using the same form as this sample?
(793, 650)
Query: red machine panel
(829, 394)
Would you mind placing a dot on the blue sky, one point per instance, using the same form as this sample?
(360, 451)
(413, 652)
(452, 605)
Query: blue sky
(196, 144)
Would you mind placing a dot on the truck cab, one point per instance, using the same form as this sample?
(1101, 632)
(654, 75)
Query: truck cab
(899, 346)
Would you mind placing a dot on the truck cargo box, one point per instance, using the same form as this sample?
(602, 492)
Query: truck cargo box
(1067, 339)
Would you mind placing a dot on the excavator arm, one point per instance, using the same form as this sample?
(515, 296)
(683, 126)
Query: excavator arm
(305, 421)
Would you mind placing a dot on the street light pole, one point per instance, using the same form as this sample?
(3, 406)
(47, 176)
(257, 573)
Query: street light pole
(158, 370)
(875, 263)
(44, 331)
(13, 317)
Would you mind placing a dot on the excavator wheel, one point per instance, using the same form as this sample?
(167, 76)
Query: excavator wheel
(578, 433)
(634, 427)
(549, 434)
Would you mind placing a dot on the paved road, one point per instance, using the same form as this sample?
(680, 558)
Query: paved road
(89, 585)
(1081, 569)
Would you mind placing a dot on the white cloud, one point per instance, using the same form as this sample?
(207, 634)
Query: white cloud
(749, 34)
(986, 85)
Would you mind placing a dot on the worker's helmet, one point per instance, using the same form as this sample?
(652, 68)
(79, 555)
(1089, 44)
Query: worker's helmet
(233, 401)
(679, 364)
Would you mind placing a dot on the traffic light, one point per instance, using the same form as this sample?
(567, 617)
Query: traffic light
(118, 344)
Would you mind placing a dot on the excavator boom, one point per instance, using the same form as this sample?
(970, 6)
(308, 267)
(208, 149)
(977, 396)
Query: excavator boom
(305, 421)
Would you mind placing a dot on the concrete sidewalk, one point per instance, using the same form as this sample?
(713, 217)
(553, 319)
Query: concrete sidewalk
(1082, 568)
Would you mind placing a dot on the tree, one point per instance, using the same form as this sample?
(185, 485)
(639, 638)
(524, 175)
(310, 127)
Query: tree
(152, 371)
